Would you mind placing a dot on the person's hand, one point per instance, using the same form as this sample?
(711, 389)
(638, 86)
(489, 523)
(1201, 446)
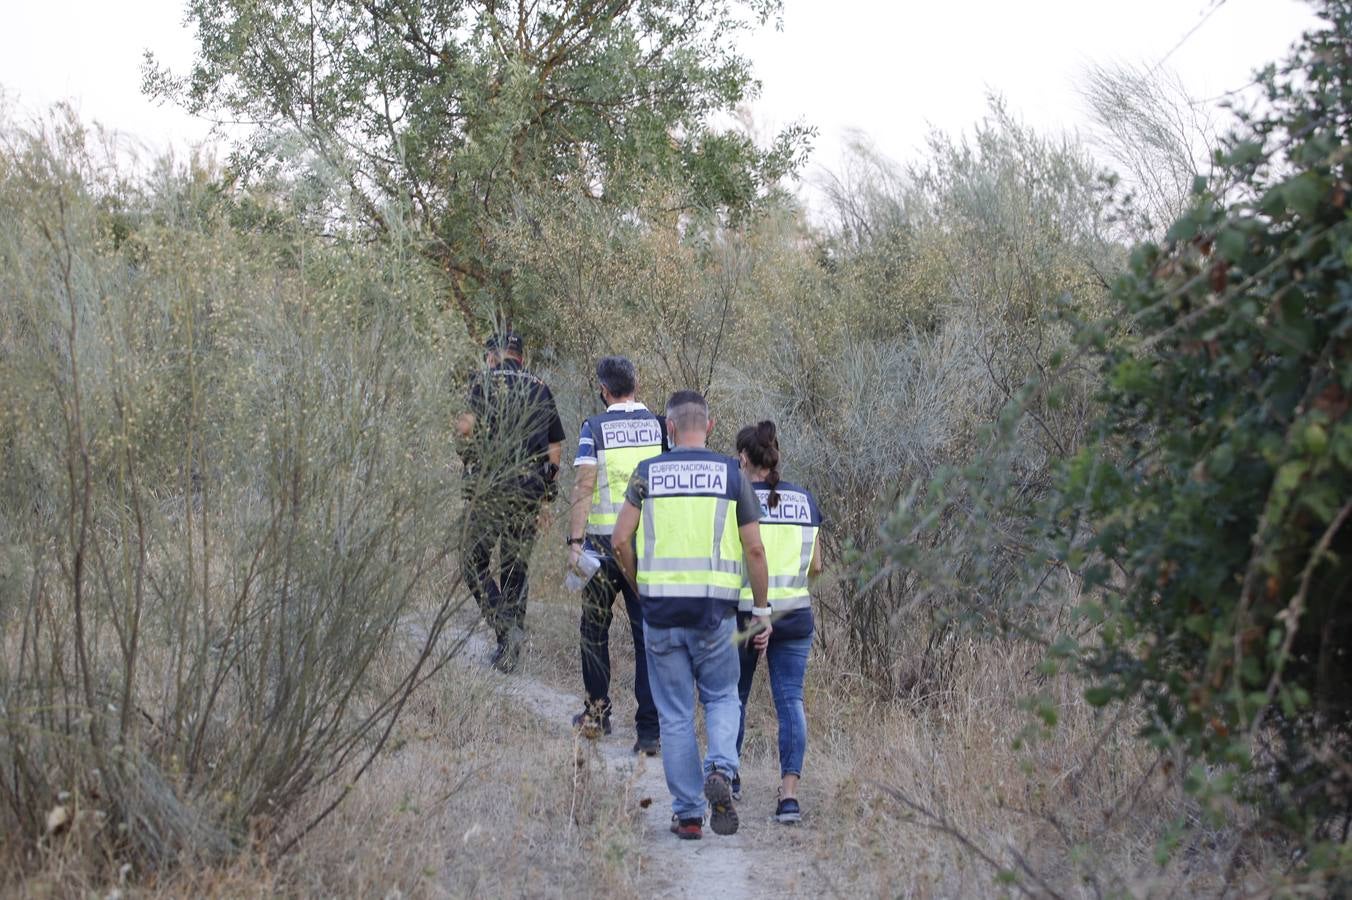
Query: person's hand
(574, 555)
(762, 640)
(760, 629)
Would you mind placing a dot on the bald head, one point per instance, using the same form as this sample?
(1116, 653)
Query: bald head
(688, 418)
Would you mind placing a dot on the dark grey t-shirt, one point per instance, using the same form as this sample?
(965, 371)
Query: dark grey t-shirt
(748, 504)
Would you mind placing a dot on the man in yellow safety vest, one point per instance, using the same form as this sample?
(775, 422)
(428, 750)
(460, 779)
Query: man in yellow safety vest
(673, 537)
(609, 447)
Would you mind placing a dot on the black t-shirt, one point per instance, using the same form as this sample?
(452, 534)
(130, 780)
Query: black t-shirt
(516, 420)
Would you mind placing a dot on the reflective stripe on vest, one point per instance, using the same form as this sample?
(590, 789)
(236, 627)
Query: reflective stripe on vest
(788, 557)
(614, 466)
(686, 549)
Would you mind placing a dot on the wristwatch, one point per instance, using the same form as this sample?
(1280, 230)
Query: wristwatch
(572, 540)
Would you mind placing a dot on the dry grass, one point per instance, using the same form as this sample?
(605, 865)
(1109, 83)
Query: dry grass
(934, 798)
(475, 795)
(478, 798)
(1082, 803)
(481, 812)
(478, 795)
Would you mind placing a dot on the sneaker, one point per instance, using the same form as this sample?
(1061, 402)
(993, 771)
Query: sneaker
(687, 829)
(787, 811)
(737, 787)
(591, 725)
(508, 657)
(722, 814)
(648, 746)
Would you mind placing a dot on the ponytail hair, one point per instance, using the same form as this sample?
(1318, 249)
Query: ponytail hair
(761, 446)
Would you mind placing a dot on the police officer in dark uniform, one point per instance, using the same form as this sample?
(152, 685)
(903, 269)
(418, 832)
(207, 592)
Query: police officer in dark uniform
(512, 439)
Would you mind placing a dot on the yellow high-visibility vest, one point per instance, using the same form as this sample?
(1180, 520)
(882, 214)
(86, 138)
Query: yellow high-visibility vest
(688, 545)
(789, 533)
(623, 439)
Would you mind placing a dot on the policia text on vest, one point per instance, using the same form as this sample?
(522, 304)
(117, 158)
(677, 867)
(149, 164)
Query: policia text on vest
(687, 477)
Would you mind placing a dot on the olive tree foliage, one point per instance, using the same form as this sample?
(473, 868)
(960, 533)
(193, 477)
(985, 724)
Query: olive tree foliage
(453, 108)
(224, 490)
(678, 290)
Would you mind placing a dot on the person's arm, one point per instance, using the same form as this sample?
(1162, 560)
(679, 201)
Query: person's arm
(465, 422)
(757, 568)
(814, 568)
(555, 434)
(553, 457)
(626, 524)
(584, 481)
(758, 574)
(622, 541)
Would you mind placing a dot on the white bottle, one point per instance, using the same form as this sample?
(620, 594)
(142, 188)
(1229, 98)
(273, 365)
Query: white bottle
(580, 574)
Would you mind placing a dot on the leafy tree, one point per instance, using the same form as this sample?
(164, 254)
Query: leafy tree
(1221, 494)
(1199, 526)
(445, 111)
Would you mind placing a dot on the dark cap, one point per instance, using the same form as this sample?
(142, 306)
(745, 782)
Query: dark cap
(507, 340)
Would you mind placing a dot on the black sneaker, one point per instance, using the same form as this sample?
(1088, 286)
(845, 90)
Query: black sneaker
(737, 787)
(591, 725)
(648, 746)
(787, 811)
(722, 814)
(508, 657)
(687, 829)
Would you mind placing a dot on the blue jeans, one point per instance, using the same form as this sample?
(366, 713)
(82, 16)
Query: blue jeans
(679, 661)
(788, 666)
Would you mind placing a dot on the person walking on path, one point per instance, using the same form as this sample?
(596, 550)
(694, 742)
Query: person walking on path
(609, 447)
(688, 563)
(790, 523)
(512, 440)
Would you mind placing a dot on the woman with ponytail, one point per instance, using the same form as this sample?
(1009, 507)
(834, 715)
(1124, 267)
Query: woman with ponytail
(789, 526)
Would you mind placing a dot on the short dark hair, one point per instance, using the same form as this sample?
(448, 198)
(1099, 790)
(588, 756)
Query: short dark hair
(687, 409)
(506, 341)
(618, 375)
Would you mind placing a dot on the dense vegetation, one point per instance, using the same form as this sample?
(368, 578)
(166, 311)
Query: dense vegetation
(1201, 508)
(1035, 426)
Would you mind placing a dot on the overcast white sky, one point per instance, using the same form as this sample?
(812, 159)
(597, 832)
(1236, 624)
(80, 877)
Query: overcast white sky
(893, 69)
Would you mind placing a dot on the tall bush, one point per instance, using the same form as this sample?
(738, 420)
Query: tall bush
(1219, 494)
(952, 283)
(227, 483)
(1190, 558)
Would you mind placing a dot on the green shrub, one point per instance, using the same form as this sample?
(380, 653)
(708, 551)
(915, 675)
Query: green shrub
(1219, 494)
(1190, 558)
(227, 482)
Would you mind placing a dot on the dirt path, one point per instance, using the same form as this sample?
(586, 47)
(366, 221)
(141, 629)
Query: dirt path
(762, 858)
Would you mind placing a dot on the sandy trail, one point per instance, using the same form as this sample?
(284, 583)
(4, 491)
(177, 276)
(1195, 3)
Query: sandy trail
(762, 858)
